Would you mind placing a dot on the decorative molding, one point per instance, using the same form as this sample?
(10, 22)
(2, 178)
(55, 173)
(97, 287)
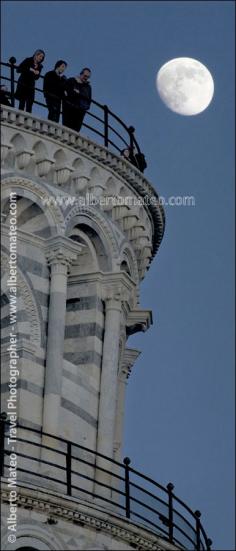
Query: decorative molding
(42, 197)
(61, 252)
(138, 320)
(24, 236)
(62, 174)
(23, 157)
(130, 356)
(44, 166)
(87, 514)
(118, 287)
(12, 117)
(29, 302)
(103, 224)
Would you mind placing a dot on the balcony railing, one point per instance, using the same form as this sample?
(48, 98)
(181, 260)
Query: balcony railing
(51, 463)
(108, 128)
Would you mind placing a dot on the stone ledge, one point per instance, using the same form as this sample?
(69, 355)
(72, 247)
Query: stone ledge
(91, 515)
(54, 131)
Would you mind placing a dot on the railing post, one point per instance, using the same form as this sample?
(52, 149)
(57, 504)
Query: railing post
(127, 462)
(131, 139)
(12, 62)
(3, 417)
(68, 468)
(198, 531)
(106, 111)
(209, 544)
(170, 488)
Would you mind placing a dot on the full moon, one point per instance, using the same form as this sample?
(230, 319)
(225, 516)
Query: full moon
(185, 85)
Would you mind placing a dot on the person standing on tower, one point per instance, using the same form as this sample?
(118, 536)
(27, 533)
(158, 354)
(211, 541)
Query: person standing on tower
(54, 90)
(30, 70)
(78, 100)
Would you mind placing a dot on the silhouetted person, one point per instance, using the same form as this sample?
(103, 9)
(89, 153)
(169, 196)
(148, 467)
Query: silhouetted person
(138, 160)
(54, 90)
(128, 155)
(78, 100)
(30, 70)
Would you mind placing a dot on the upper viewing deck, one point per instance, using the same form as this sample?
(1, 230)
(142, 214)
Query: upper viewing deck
(36, 144)
(101, 124)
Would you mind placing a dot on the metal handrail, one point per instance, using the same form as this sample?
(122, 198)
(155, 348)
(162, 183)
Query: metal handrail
(107, 118)
(173, 523)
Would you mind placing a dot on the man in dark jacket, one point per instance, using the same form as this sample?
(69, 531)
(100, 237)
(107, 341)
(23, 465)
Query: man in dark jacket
(54, 90)
(78, 100)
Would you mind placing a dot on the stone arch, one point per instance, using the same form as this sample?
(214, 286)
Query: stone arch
(111, 186)
(18, 142)
(26, 292)
(95, 176)
(93, 219)
(129, 263)
(60, 157)
(88, 261)
(78, 164)
(30, 217)
(34, 537)
(39, 194)
(80, 176)
(40, 150)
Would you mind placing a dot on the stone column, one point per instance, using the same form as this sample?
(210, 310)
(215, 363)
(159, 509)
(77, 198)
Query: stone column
(118, 291)
(60, 254)
(126, 363)
(108, 388)
(108, 392)
(130, 355)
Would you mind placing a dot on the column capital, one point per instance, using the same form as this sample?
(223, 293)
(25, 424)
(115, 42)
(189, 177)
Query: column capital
(61, 252)
(118, 287)
(114, 303)
(129, 358)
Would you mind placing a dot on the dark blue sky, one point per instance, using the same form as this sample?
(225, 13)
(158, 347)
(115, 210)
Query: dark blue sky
(180, 398)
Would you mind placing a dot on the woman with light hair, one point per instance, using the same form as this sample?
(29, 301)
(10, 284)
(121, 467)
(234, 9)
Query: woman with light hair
(30, 70)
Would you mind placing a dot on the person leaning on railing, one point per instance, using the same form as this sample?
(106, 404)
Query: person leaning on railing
(77, 101)
(54, 90)
(138, 160)
(30, 70)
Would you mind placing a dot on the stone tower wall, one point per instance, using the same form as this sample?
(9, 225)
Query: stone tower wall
(88, 226)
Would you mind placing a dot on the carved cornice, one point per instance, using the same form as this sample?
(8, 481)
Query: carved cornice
(138, 320)
(110, 285)
(56, 133)
(87, 514)
(118, 287)
(130, 356)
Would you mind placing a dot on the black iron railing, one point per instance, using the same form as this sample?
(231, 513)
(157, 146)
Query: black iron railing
(100, 120)
(53, 463)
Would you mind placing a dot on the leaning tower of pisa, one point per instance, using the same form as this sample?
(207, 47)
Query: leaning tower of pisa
(80, 227)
